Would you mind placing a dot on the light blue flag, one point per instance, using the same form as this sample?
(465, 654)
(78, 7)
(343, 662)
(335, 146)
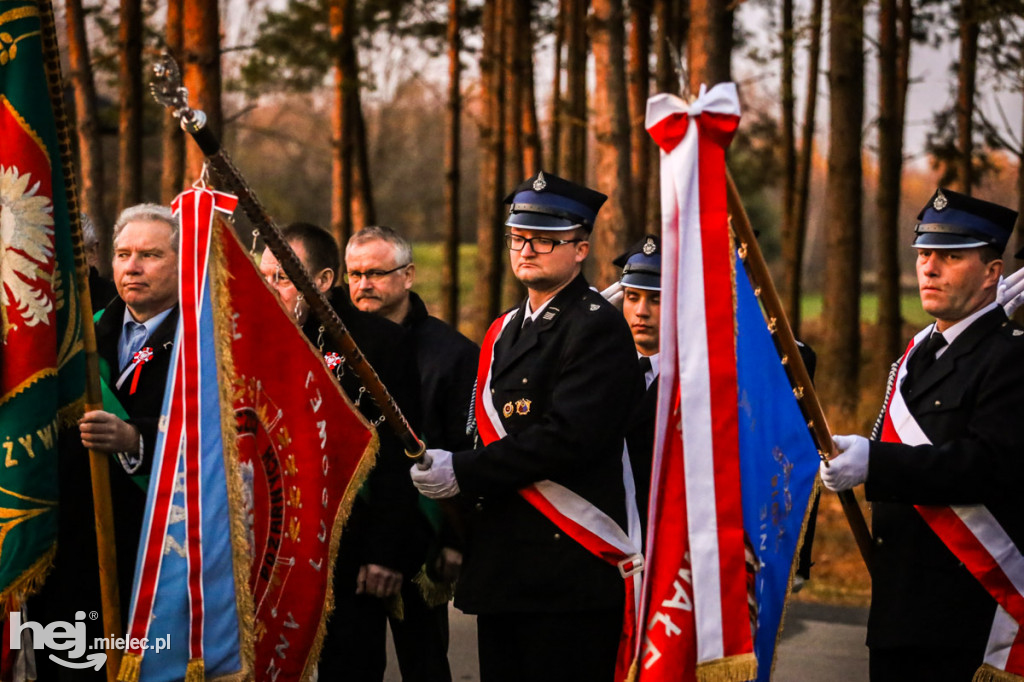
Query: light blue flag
(778, 464)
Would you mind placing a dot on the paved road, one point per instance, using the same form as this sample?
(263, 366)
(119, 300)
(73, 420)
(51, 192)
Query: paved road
(819, 644)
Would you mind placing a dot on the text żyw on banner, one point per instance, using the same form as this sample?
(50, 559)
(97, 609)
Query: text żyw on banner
(257, 469)
(42, 366)
(734, 464)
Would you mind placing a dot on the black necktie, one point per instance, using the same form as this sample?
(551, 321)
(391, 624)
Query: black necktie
(925, 356)
(645, 364)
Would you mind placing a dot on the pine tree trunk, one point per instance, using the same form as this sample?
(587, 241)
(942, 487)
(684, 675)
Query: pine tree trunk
(490, 246)
(340, 17)
(611, 130)
(515, 85)
(453, 114)
(557, 100)
(574, 147)
(841, 352)
(172, 174)
(790, 259)
(533, 158)
(129, 182)
(666, 77)
(201, 26)
(709, 48)
(965, 93)
(803, 177)
(364, 210)
(90, 144)
(639, 90)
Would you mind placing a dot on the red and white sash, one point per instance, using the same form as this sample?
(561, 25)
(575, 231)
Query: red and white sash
(974, 535)
(575, 516)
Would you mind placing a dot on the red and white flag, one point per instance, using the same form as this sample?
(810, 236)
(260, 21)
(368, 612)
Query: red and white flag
(974, 535)
(695, 598)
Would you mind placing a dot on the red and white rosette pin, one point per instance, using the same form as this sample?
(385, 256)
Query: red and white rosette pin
(332, 359)
(141, 357)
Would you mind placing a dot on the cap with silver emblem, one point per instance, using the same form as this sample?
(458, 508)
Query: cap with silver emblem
(951, 220)
(641, 265)
(548, 202)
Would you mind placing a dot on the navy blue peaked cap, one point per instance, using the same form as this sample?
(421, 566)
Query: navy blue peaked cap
(641, 264)
(951, 220)
(548, 202)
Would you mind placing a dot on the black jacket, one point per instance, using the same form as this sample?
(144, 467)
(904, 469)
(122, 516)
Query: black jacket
(969, 405)
(385, 526)
(576, 367)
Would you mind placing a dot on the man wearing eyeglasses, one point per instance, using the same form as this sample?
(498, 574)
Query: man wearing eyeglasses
(547, 479)
(380, 274)
(385, 542)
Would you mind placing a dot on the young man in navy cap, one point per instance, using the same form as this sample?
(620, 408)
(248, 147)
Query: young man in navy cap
(641, 306)
(554, 374)
(951, 436)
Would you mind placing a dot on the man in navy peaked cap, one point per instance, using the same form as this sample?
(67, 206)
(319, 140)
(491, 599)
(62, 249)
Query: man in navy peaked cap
(554, 374)
(950, 435)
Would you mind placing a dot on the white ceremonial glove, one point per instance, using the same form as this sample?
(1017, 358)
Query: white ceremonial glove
(434, 477)
(850, 466)
(1010, 292)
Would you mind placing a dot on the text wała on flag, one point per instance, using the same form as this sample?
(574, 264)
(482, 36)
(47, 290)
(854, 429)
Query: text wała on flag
(42, 373)
(256, 471)
(734, 464)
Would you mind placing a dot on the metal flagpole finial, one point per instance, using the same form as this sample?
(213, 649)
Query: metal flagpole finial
(167, 89)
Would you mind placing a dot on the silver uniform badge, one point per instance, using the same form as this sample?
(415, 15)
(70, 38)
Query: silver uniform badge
(940, 201)
(649, 247)
(539, 184)
(594, 306)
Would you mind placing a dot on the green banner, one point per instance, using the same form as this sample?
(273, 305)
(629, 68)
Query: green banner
(42, 365)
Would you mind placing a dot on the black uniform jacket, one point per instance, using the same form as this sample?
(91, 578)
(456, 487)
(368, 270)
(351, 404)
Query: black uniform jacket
(385, 527)
(143, 408)
(969, 404)
(640, 440)
(560, 387)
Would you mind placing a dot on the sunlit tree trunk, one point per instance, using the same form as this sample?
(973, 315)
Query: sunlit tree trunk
(172, 174)
(90, 145)
(557, 101)
(364, 210)
(574, 124)
(841, 315)
(129, 129)
(202, 72)
(611, 130)
(641, 146)
(345, 82)
(966, 73)
(790, 295)
(709, 48)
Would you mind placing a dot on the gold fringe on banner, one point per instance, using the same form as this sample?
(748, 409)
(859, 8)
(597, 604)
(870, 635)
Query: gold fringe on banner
(731, 669)
(988, 673)
(631, 675)
(195, 671)
(434, 593)
(130, 665)
(29, 581)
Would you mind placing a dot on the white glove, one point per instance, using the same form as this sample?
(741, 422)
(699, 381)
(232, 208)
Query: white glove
(850, 467)
(434, 477)
(1010, 292)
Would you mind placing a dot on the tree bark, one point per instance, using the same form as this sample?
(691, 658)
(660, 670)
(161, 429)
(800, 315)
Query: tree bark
(611, 129)
(793, 253)
(201, 25)
(841, 356)
(639, 90)
(90, 144)
(557, 100)
(342, 29)
(574, 146)
(665, 49)
(129, 183)
(172, 174)
(533, 159)
(364, 209)
(453, 142)
(490, 246)
(515, 86)
(709, 48)
(790, 296)
(965, 93)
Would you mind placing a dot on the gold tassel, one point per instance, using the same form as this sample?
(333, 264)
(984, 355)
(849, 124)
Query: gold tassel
(631, 675)
(732, 669)
(395, 606)
(988, 673)
(195, 671)
(434, 593)
(130, 664)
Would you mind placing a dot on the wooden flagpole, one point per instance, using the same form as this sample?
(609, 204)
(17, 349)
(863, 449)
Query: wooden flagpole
(98, 461)
(803, 389)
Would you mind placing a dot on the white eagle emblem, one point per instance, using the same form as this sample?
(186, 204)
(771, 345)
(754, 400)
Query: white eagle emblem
(26, 249)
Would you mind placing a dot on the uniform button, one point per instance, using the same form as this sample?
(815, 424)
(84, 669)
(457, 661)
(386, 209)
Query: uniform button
(937, 403)
(525, 380)
(878, 541)
(492, 391)
(479, 506)
(558, 536)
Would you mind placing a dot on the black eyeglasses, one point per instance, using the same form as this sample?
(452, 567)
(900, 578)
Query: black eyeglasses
(373, 275)
(539, 244)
